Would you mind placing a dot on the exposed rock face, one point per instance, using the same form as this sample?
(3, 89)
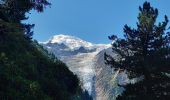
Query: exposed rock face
(106, 81)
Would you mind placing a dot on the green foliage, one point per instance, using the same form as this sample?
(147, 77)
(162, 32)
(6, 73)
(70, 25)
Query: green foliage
(144, 52)
(27, 71)
(14, 10)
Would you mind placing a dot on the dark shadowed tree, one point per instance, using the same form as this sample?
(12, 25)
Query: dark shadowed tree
(14, 11)
(144, 52)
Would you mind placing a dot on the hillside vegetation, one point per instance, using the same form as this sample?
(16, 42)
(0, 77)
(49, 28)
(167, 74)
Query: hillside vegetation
(27, 71)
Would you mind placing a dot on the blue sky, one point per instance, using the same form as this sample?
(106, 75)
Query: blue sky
(91, 20)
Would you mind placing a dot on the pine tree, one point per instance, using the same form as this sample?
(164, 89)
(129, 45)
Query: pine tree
(14, 11)
(144, 52)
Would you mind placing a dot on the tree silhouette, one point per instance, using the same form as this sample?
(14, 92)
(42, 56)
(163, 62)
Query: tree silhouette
(144, 52)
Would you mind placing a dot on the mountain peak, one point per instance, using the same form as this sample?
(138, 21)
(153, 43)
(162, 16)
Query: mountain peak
(71, 41)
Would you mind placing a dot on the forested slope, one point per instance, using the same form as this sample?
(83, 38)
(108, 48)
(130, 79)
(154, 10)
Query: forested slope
(27, 71)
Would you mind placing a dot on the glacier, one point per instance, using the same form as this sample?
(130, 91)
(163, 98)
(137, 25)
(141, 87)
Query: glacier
(86, 60)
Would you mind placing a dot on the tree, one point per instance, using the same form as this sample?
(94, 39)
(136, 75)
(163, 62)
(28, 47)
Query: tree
(144, 52)
(14, 11)
(27, 71)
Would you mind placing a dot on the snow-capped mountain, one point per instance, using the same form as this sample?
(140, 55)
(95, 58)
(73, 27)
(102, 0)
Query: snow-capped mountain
(71, 41)
(65, 45)
(86, 60)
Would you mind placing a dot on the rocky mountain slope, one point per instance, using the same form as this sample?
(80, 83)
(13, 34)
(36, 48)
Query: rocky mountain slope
(87, 61)
(107, 79)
